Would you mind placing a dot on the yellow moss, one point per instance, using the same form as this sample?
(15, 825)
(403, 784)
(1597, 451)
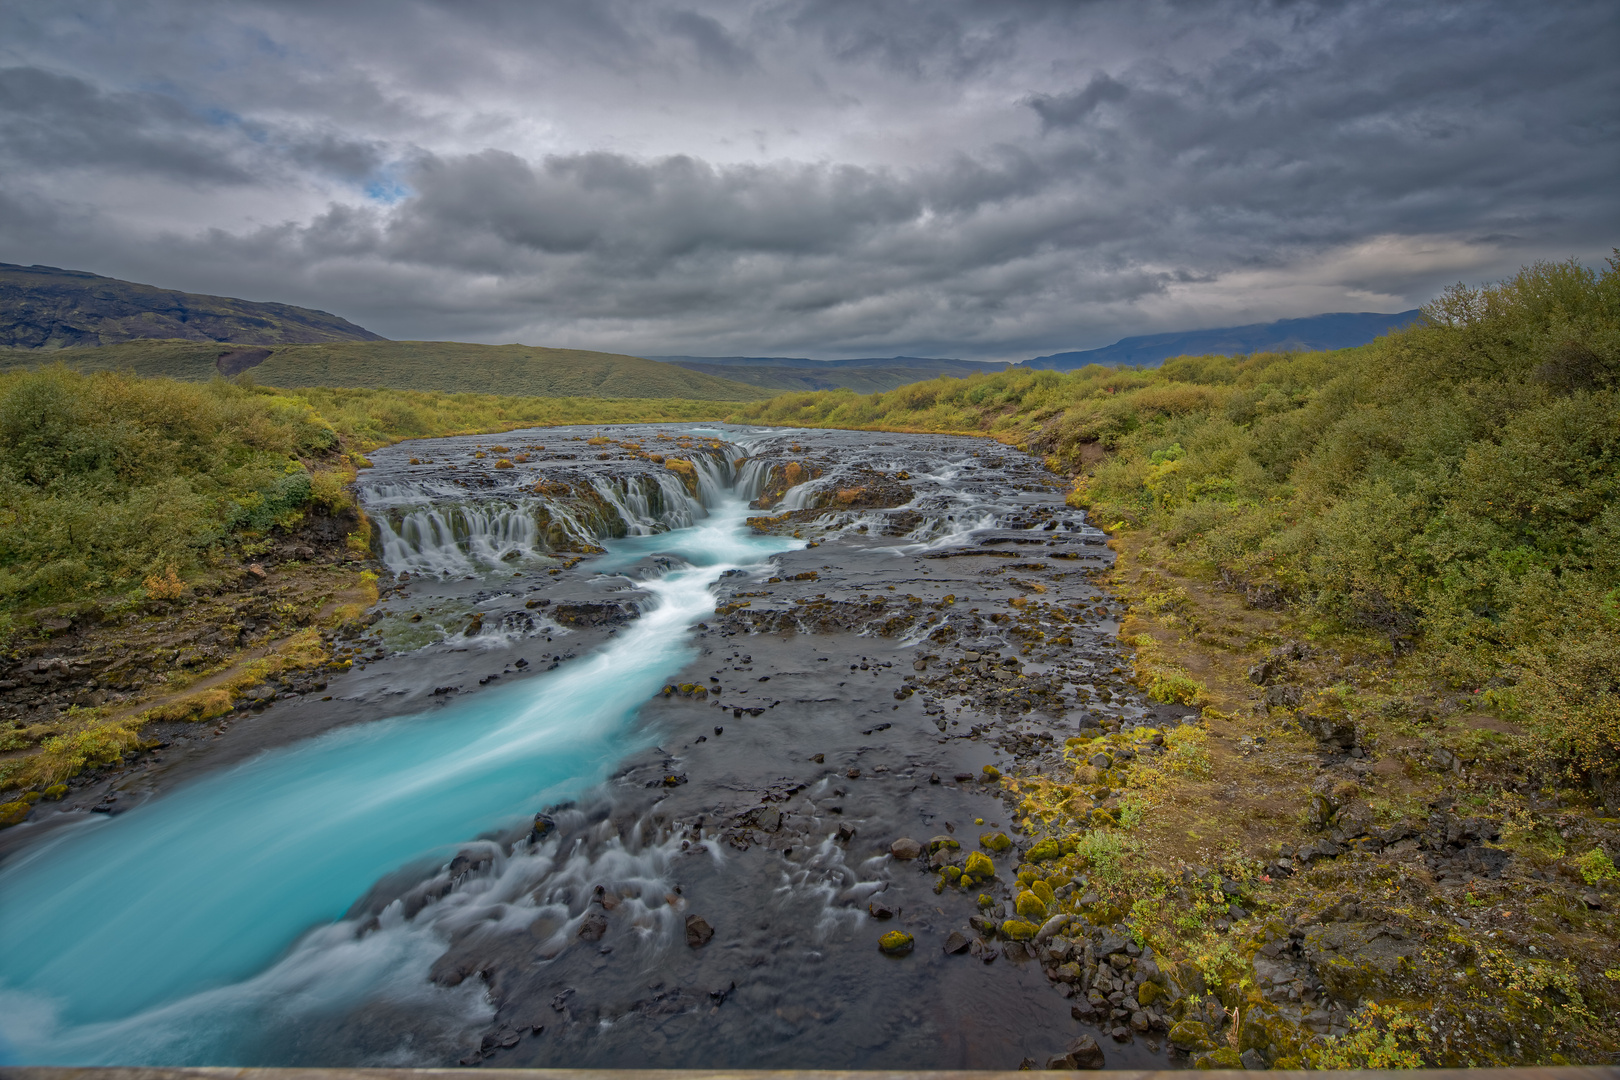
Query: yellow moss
(896, 942)
(997, 842)
(980, 866)
(1018, 929)
(1030, 905)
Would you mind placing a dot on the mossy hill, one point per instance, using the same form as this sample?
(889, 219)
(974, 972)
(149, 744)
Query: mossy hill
(449, 367)
(47, 307)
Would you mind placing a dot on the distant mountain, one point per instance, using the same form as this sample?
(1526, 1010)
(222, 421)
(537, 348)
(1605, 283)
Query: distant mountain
(866, 375)
(1340, 330)
(46, 307)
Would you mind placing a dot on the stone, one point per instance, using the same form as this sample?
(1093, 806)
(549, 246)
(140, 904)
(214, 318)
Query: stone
(1111, 944)
(1100, 760)
(1190, 1035)
(1253, 1060)
(770, 820)
(1030, 906)
(997, 842)
(905, 848)
(698, 931)
(957, 943)
(544, 825)
(1223, 1058)
(979, 865)
(896, 943)
(1018, 929)
(879, 910)
(592, 927)
(1083, 1053)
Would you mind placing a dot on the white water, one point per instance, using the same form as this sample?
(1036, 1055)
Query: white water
(184, 930)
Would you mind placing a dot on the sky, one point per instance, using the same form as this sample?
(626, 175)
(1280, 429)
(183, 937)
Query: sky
(825, 178)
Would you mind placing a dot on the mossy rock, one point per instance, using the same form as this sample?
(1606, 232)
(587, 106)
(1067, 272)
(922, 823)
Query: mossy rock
(13, 813)
(942, 842)
(896, 943)
(1018, 930)
(1149, 992)
(951, 873)
(986, 901)
(1255, 1034)
(1291, 1063)
(1190, 1035)
(1045, 851)
(1102, 819)
(980, 866)
(1030, 906)
(996, 842)
(1044, 891)
(1224, 1058)
(56, 791)
(991, 774)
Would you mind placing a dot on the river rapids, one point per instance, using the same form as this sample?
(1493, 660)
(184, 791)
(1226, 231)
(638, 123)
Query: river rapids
(704, 657)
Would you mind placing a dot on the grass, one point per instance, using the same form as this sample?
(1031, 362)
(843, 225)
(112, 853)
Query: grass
(111, 484)
(444, 366)
(1445, 495)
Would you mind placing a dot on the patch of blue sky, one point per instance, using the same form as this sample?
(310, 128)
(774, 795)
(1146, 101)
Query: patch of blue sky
(386, 190)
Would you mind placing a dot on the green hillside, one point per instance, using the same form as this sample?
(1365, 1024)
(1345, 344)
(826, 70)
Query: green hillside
(445, 366)
(47, 307)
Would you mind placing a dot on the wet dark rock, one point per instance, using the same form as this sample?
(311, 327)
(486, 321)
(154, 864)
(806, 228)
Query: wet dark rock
(592, 927)
(879, 910)
(594, 613)
(1083, 1053)
(698, 931)
(544, 826)
(957, 943)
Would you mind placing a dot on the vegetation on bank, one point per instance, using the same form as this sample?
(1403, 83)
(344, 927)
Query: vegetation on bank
(117, 485)
(449, 367)
(1447, 492)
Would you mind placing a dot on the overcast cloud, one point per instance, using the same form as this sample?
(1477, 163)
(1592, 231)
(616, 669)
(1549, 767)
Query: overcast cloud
(809, 177)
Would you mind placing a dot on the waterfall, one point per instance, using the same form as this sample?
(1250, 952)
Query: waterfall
(434, 526)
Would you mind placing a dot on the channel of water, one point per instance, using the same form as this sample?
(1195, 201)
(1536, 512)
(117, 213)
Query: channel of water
(174, 934)
(366, 896)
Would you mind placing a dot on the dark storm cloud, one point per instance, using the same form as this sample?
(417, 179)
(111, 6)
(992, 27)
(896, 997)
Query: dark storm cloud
(815, 177)
(1067, 110)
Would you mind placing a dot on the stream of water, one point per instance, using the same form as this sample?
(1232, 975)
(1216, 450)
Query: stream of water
(146, 937)
(368, 896)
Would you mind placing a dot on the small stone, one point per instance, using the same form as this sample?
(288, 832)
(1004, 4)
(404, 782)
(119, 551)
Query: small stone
(1252, 1060)
(905, 848)
(957, 943)
(256, 570)
(896, 943)
(698, 931)
(819, 759)
(879, 910)
(592, 927)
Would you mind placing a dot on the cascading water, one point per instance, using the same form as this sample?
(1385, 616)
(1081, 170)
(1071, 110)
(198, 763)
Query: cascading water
(119, 936)
(736, 715)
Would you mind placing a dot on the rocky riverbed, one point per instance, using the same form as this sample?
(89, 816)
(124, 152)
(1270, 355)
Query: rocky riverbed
(864, 803)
